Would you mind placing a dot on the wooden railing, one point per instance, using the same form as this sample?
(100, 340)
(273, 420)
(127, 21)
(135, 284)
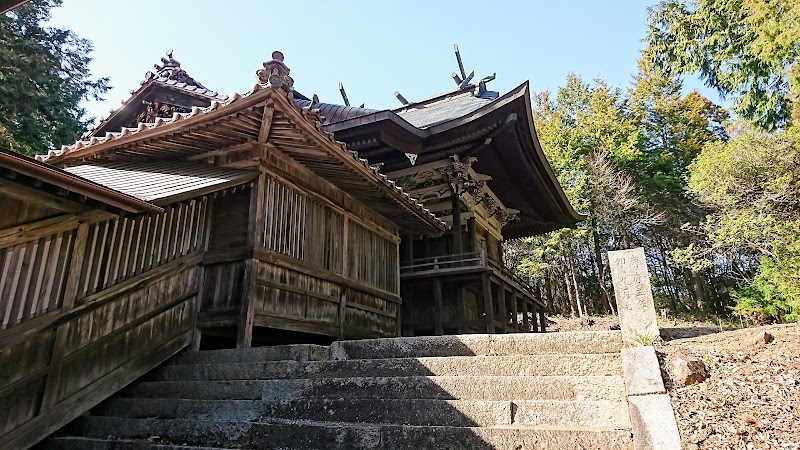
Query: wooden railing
(436, 263)
(90, 303)
(509, 275)
(448, 264)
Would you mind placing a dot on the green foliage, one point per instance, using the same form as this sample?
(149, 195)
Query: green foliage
(44, 76)
(770, 296)
(743, 48)
(752, 184)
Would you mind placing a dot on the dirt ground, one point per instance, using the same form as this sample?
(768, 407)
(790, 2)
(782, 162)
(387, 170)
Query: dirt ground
(751, 399)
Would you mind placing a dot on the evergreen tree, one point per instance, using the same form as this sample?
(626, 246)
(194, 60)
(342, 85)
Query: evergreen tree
(44, 76)
(744, 48)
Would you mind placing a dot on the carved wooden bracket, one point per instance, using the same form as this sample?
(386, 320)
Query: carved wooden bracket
(457, 174)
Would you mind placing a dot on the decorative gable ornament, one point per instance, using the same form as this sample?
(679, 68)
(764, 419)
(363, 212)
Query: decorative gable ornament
(275, 73)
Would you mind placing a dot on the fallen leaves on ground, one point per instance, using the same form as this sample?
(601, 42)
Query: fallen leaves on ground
(752, 398)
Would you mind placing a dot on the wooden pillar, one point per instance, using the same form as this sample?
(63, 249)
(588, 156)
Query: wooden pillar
(461, 315)
(534, 321)
(525, 319)
(409, 247)
(514, 311)
(501, 302)
(542, 321)
(255, 223)
(472, 233)
(437, 307)
(456, 207)
(408, 312)
(488, 307)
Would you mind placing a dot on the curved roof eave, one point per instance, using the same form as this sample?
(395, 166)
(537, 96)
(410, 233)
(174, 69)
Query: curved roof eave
(520, 92)
(545, 163)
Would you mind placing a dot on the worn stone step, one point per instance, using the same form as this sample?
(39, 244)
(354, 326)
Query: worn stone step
(230, 371)
(527, 365)
(335, 436)
(480, 345)
(294, 352)
(450, 388)
(465, 366)
(82, 443)
(441, 388)
(465, 413)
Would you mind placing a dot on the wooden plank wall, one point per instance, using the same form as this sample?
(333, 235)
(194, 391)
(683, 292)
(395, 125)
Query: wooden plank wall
(320, 269)
(90, 303)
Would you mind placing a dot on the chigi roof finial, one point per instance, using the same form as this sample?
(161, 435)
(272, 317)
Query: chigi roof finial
(275, 73)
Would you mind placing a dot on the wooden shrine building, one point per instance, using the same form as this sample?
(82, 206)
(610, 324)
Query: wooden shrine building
(189, 218)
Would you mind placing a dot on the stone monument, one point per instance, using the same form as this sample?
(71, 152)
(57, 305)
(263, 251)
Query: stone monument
(637, 312)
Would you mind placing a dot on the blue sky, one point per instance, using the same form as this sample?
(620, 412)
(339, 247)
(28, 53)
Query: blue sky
(374, 48)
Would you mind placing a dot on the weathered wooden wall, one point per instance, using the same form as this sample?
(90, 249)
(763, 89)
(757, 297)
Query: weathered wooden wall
(90, 303)
(320, 268)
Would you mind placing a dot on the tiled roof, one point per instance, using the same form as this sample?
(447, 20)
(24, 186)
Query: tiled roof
(160, 180)
(168, 74)
(310, 115)
(332, 113)
(444, 108)
(125, 132)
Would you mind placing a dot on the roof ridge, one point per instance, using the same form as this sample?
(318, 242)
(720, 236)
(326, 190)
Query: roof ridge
(475, 89)
(169, 74)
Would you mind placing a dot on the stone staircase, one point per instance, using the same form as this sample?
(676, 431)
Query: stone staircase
(514, 391)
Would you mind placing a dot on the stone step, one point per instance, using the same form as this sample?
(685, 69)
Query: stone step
(450, 388)
(82, 443)
(527, 365)
(295, 352)
(334, 436)
(222, 372)
(480, 345)
(464, 413)
(442, 388)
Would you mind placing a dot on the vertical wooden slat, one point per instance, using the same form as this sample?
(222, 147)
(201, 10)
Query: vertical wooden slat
(169, 233)
(145, 244)
(50, 298)
(101, 258)
(346, 269)
(21, 300)
(122, 230)
(12, 280)
(42, 269)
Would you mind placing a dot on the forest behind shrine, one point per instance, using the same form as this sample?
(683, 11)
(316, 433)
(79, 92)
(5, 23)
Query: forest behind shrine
(712, 195)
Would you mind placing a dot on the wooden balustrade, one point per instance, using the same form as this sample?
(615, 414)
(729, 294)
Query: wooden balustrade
(89, 303)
